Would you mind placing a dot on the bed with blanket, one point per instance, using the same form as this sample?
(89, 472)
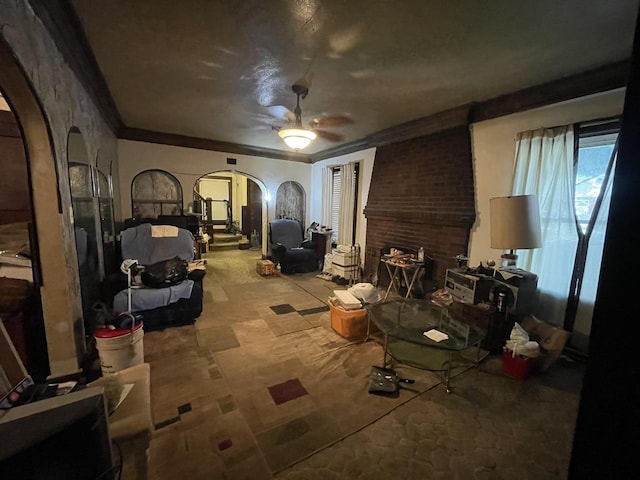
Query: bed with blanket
(19, 305)
(15, 253)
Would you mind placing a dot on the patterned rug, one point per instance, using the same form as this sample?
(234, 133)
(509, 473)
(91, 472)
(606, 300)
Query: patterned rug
(261, 377)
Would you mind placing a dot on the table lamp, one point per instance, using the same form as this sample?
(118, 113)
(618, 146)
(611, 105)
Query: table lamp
(515, 224)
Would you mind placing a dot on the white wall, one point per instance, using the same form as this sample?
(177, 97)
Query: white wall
(188, 164)
(493, 143)
(365, 158)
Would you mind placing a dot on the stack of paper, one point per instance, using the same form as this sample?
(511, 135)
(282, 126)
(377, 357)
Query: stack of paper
(436, 335)
(347, 300)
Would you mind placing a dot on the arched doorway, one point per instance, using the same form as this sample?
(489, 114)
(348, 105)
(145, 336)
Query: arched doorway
(57, 285)
(234, 208)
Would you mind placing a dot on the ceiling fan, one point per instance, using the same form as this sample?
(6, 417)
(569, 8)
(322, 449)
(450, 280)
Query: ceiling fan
(297, 137)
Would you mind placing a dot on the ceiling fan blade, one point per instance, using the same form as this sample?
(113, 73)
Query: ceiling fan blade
(331, 136)
(331, 121)
(281, 112)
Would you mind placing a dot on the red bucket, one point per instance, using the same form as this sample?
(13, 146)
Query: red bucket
(516, 366)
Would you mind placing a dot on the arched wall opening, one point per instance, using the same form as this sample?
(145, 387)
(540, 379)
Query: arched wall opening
(240, 210)
(60, 302)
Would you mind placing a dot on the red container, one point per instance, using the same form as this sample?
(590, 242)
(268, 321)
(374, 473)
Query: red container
(516, 367)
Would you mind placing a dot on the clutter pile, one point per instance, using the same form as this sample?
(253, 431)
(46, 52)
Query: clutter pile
(342, 265)
(349, 317)
(533, 346)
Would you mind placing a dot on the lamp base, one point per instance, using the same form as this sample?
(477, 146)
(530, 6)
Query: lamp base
(509, 260)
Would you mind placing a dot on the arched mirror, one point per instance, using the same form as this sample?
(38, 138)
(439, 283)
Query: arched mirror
(155, 193)
(83, 186)
(290, 201)
(107, 223)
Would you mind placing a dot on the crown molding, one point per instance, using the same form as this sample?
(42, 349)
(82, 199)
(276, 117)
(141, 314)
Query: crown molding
(148, 136)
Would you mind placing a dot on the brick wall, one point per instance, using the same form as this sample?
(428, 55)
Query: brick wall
(422, 194)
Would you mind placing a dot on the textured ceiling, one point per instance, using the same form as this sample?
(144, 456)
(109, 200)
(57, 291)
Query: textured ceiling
(213, 68)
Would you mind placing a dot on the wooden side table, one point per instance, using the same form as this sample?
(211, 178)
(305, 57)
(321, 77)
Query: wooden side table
(323, 245)
(497, 325)
(407, 271)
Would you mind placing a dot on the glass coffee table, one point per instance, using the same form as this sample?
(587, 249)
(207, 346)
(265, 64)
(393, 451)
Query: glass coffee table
(424, 335)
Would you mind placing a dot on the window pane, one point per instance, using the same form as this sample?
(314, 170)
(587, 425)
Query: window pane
(592, 165)
(335, 203)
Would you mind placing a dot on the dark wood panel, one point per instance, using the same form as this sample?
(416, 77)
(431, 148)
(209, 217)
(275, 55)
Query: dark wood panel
(14, 181)
(608, 77)
(602, 79)
(8, 125)
(15, 216)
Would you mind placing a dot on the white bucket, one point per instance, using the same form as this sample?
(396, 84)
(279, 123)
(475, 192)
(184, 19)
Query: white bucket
(119, 348)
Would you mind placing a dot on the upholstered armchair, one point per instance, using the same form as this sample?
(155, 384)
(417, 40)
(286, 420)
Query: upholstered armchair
(289, 249)
(178, 304)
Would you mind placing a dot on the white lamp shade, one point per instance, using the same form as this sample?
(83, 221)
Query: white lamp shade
(515, 222)
(297, 138)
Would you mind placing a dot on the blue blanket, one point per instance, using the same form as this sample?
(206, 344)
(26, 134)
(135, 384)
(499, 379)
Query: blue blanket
(137, 243)
(143, 298)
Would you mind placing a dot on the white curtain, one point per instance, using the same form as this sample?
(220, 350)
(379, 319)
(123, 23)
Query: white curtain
(544, 167)
(327, 195)
(347, 203)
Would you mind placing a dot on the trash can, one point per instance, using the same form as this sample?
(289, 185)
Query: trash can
(119, 348)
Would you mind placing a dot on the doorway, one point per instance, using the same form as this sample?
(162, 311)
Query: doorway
(233, 210)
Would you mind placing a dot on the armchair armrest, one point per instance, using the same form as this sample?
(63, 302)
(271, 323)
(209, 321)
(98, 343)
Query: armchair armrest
(309, 244)
(278, 248)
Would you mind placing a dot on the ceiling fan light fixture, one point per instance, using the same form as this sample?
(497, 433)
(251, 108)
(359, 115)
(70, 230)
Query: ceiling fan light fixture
(297, 138)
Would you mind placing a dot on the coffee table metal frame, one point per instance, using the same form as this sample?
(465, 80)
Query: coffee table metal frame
(407, 320)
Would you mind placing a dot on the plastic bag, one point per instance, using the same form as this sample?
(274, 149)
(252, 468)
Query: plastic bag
(365, 292)
(328, 263)
(165, 273)
(519, 343)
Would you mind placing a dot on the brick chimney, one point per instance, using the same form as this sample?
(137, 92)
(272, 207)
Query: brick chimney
(422, 195)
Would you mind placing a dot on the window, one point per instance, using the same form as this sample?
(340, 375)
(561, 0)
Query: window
(337, 203)
(593, 166)
(155, 193)
(594, 155)
(569, 168)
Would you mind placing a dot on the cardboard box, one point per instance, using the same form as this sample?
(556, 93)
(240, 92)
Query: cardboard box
(344, 259)
(345, 272)
(265, 267)
(551, 339)
(349, 323)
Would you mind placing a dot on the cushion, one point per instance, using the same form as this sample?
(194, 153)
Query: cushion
(138, 243)
(286, 232)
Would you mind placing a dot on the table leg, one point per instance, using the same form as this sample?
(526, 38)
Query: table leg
(448, 374)
(366, 338)
(392, 280)
(413, 280)
(384, 355)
